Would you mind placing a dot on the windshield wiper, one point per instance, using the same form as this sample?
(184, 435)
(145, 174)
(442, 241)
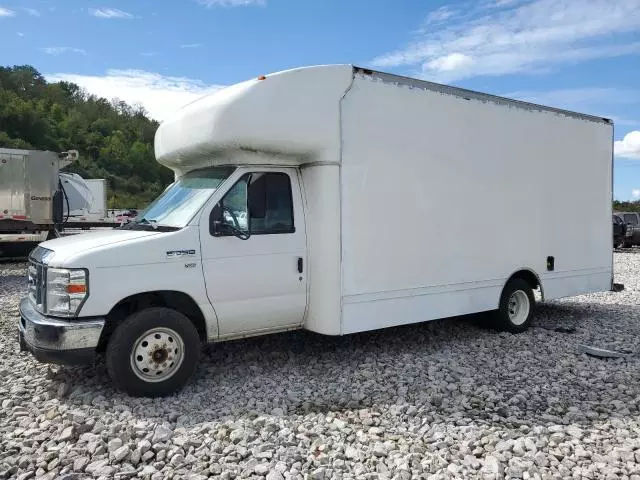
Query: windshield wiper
(146, 221)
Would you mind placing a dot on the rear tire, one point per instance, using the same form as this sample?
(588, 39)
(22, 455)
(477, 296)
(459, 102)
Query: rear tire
(517, 303)
(153, 352)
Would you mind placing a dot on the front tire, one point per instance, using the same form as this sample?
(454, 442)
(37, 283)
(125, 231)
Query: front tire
(153, 352)
(516, 307)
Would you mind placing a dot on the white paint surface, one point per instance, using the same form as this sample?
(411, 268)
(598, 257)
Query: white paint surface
(123, 263)
(444, 198)
(254, 284)
(322, 193)
(290, 114)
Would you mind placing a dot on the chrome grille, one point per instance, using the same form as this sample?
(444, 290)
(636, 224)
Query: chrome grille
(37, 277)
(32, 279)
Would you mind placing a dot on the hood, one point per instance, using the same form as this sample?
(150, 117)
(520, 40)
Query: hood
(65, 247)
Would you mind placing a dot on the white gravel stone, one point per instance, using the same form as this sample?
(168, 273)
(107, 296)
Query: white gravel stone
(147, 470)
(161, 434)
(121, 453)
(67, 434)
(237, 435)
(146, 456)
(144, 445)
(114, 444)
(136, 455)
(318, 474)
(492, 465)
(80, 463)
(273, 475)
(96, 467)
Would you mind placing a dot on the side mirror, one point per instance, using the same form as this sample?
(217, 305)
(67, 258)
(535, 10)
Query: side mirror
(215, 221)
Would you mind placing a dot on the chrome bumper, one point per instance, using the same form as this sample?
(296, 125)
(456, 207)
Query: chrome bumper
(55, 340)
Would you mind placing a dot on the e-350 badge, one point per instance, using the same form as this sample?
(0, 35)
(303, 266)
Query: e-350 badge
(180, 253)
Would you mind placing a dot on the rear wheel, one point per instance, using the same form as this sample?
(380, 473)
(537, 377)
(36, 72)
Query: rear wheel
(516, 307)
(153, 352)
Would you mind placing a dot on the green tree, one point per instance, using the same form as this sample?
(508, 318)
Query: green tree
(619, 206)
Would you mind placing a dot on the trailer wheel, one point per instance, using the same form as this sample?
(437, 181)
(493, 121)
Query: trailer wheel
(516, 307)
(153, 352)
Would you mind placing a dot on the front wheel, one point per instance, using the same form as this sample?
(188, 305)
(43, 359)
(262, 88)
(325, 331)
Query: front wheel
(516, 307)
(153, 352)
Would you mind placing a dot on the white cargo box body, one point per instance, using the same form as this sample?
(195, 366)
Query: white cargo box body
(421, 200)
(98, 189)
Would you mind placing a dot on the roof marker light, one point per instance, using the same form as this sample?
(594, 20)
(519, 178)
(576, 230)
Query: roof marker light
(262, 77)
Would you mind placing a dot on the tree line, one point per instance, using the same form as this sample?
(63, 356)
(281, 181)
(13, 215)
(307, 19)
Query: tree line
(115, 140)
(625, 206)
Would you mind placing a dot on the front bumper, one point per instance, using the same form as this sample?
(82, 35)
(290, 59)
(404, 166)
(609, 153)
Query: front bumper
(55, 340)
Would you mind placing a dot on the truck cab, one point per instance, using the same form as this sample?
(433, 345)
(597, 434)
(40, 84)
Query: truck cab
(222, 253)
(184, 253)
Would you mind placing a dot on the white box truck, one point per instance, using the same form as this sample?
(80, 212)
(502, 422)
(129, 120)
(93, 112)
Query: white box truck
(338, 200)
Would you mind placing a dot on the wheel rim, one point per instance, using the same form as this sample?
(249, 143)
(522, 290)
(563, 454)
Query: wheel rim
(157, 354)
(518, 307)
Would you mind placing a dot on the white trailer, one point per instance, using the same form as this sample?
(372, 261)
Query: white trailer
(98, 189)
(368, 200)
(38, 200)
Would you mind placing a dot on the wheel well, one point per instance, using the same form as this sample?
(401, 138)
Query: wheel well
(178, 301)
(529, 277)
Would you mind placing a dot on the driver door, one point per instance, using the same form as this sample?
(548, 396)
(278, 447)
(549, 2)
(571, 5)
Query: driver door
(254, 254)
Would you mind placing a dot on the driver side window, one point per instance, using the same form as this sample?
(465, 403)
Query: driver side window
(260, 203)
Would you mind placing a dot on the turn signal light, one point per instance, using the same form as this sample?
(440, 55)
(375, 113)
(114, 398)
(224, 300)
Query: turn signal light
(76, 288)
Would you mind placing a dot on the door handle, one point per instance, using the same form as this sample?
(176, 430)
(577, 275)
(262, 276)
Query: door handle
(299, 264)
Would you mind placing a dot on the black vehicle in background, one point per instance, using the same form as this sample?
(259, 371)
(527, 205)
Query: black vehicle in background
(619, 232)
(631, 221)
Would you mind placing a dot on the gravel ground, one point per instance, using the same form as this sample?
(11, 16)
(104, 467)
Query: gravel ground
(444, 399)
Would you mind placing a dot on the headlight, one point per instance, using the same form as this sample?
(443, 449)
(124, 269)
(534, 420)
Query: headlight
(66, 291)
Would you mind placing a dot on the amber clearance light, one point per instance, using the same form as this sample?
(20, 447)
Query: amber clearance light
(76, 288)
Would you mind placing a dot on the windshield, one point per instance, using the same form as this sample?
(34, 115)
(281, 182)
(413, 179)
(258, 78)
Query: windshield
(182, 200)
